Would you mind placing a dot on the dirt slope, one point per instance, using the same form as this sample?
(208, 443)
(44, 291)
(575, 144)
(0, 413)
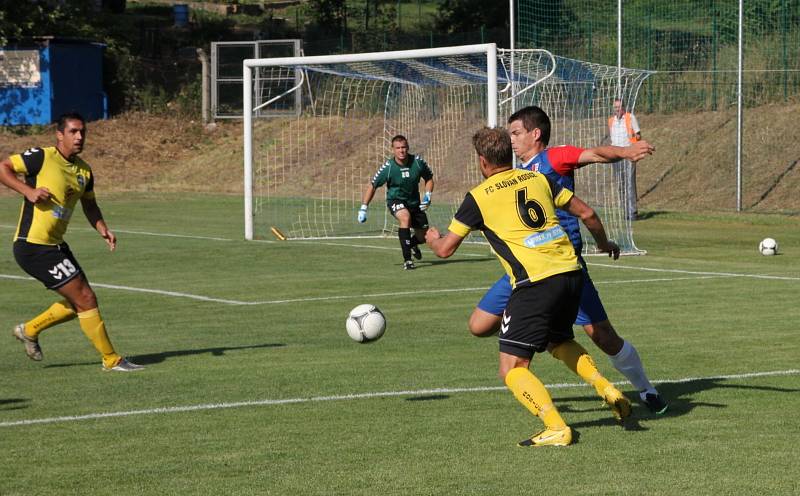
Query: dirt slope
(694, 167)
(695, 163)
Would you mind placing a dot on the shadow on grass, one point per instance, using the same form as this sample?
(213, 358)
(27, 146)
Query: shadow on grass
(677, 394)
(444, 261)
(153, 358)
(650, 215)
(9, 404)
(430, 397)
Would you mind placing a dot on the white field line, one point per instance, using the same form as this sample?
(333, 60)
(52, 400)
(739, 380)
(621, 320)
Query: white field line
(394, 294)
(211, 238)
(697, 273)
(177, 294)
(146, 233)
(362, 246)
(353, 396)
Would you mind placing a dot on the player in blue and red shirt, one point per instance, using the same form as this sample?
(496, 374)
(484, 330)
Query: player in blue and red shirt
(530, 133)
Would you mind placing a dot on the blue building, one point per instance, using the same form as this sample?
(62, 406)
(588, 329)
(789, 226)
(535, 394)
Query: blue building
(43, 78)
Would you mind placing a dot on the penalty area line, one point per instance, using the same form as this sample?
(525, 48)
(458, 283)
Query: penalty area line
(354, 396)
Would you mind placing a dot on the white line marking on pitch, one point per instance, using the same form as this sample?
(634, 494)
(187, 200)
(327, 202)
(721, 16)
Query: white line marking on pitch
(147, 233)
(699, 273)
(354, 396)
(177, 294)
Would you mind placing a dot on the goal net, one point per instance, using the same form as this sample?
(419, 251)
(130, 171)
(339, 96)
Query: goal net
(578, 98)
(305, 173)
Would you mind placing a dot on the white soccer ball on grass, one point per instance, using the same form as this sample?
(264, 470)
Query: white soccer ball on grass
(365, 323)
(768, 246)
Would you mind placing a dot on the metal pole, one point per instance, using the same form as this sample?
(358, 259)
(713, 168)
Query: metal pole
(740, 112)
(247, 75)
(203, 58)
(619, 49)
(512, 21)
(491, 76)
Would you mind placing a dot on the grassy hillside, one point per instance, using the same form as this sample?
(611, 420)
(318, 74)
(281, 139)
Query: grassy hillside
(694, 167)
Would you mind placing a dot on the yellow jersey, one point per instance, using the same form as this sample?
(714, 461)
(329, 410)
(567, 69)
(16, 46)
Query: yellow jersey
(516, 212)
(45, 223)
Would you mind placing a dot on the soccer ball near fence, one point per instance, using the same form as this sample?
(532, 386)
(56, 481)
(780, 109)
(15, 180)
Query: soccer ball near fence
(365, 323)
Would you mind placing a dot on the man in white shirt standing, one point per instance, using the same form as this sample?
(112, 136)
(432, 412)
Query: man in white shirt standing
(623, 130)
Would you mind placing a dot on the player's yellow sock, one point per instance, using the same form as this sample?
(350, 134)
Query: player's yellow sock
(60, 311)
(530, 391)
(92, 325)
(579, 361)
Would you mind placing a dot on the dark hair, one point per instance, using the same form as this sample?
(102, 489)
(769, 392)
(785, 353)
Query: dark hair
(69, 116)
(533, 117)
(493, 144)
(399, 137)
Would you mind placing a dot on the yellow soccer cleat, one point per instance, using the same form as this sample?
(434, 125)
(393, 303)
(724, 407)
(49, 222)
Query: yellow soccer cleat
(619, 403)
(549, 437)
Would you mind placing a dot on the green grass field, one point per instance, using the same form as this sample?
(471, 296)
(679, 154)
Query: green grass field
(253, 387)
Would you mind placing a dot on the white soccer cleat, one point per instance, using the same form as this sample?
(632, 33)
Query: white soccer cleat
(123, 366)
(32, 348)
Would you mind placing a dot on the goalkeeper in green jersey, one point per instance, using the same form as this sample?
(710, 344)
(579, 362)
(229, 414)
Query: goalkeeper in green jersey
(401, 175)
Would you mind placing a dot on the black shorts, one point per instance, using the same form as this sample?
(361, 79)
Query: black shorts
(53, 266)
(418, 218)
(540, 314)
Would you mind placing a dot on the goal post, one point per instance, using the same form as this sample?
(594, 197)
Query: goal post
(304, 174)
(489, 51)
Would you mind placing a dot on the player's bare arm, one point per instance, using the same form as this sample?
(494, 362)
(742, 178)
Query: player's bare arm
(588, 216)
(9, 178)
(429, 185)
(610, 153)
(442, 247)
(368, 194)
(95, 218)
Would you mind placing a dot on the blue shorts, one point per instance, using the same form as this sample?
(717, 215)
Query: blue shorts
(590, 311)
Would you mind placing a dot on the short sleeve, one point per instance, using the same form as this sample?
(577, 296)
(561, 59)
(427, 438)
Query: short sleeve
(561, 194)
(425, 171)
(29, 162)
(564, 159)
(468, 217)
(88, 193)
(380, 177)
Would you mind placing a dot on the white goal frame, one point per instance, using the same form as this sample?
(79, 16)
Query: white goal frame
(248, 65)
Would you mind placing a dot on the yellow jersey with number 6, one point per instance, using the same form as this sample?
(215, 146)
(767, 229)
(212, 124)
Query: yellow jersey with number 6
(45, 223)
(516, 211)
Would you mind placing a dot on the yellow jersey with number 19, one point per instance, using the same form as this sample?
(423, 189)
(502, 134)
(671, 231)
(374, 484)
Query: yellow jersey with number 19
(516, 211)
(45, 223)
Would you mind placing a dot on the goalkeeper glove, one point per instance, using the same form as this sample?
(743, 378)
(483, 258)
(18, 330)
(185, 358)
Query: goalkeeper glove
(362, 213)
(426, 201)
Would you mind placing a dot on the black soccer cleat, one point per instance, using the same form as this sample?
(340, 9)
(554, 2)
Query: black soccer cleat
(409, 265)
(655, 403)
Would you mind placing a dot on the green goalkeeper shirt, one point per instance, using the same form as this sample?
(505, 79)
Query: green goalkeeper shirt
(402, 181)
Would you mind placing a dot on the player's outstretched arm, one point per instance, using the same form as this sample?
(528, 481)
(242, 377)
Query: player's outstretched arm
(588, 216)
(95, 217)
(609, 153)
(442, 247)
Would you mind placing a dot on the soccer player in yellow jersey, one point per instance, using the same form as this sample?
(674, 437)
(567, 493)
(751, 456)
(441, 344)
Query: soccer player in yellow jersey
(55, 180)
(516, 211)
